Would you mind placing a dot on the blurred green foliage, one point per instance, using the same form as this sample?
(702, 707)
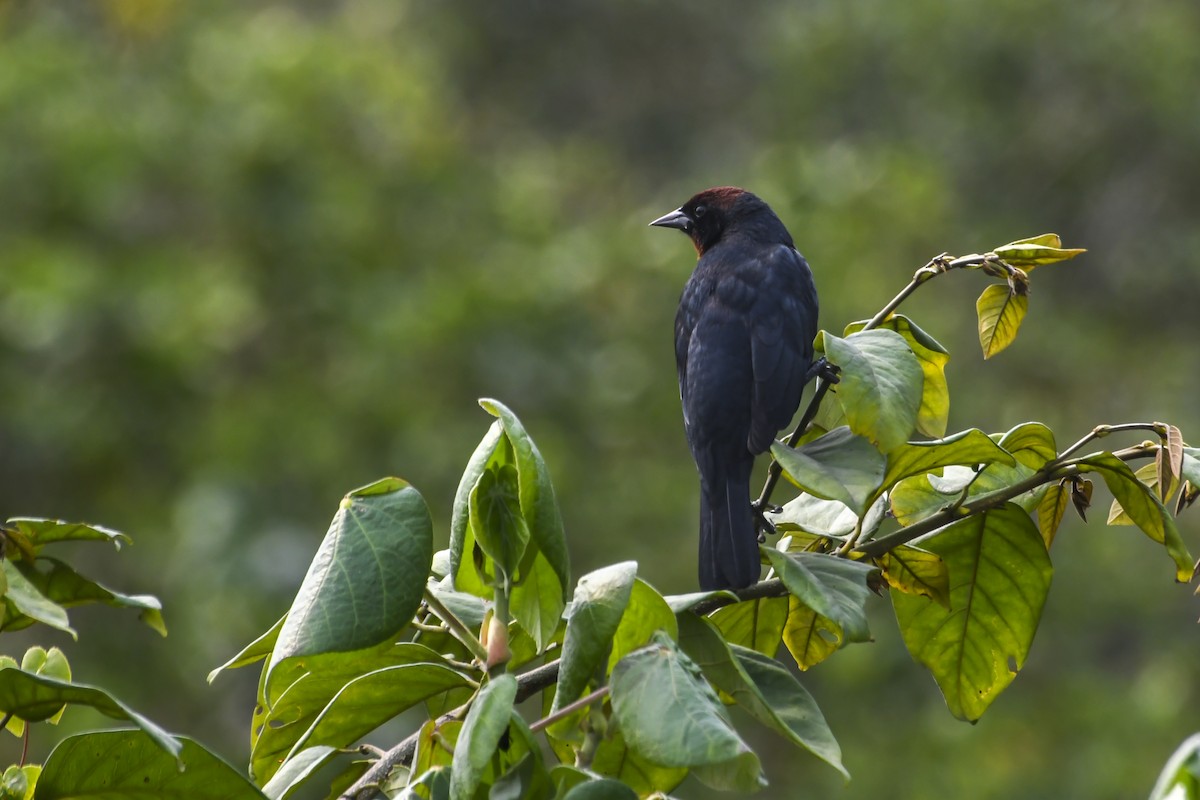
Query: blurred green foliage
(255, 254)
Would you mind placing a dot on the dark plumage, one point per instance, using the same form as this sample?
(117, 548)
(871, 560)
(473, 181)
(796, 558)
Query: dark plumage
(743, 349)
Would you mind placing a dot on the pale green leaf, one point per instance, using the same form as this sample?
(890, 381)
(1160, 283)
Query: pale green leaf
(670, 715)
(1143, 507)
(881, 385)
(999, 577)
(1000, 310)
(593, 617)
(933, 357)
(837, 466)
(487, 720)
(833, 587)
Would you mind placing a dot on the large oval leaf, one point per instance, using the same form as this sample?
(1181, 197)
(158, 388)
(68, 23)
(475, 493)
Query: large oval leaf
(486, 722)
(756, 624)
(126, 765)
(763, 687)
(593, 618)
(967, 447)
(34, 698)
(837, 466)
(328, 709)
(999, 577)
(880, 386)
(836, 588)
(670, 715)
(367, 578)
(933, 357)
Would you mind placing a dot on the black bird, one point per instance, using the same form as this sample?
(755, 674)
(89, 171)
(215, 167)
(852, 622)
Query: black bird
(744, 349)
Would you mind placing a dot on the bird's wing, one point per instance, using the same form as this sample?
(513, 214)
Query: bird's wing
(691, 305)
(783, 323)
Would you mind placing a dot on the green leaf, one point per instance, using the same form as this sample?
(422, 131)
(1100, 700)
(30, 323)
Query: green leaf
(1001, 310)
(646, 613)
(837, 466)
(615, 759)
(537, 601)
(833, 587)
(763, 687)
(252, 653)
(1036, 251)
(496, 519)
(41, 532)
(1180, 777)
(35, 698)
(920, 496)
(51, 663)
(360, 707)
(593, 617)
(434, 784)
(1189, 465)
(18, 783)
(486, 722)
(126, 765)
(60, 583)
(756, 624)
(1051, 509)
(881, 385)
(1031, 443)
(466, 559)
(538, 503)
(368, 576)
(302, 690)
(601, 789)
(24, 604)
(967, 447)
(809, 637)
(1148, 475)
(915, 571)
(1000, 575)
(670, 715)
(933, 357)
(436, 742)
(296, 770)
(1143, 507)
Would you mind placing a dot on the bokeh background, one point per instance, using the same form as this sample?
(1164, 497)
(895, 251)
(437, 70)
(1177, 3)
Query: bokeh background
(256, 254)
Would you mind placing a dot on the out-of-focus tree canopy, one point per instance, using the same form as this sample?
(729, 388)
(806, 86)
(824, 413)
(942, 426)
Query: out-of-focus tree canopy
(253, 255)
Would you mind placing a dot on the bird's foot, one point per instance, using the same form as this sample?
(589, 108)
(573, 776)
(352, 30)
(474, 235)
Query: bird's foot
(821, 368)
(763, 525)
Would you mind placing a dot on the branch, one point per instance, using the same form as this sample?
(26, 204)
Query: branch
(1054, 471)
(568, 710)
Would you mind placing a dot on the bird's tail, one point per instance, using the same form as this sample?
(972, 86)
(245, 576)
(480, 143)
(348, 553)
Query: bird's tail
(728, 541)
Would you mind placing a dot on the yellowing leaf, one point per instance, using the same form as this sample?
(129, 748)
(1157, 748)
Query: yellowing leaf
(1000, 313)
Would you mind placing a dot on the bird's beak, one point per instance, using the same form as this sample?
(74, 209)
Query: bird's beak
(676, 219)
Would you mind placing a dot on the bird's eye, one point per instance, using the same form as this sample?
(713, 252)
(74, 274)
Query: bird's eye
(700, 211)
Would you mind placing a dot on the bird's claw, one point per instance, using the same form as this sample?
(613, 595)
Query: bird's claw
(764, 525)
(821, 368)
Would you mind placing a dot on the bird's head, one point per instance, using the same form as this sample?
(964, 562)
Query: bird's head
(707, 216)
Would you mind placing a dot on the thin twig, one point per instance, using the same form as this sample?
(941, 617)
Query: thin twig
(1100, 431)
(456, 626)
(775, 470)
(568, 710)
